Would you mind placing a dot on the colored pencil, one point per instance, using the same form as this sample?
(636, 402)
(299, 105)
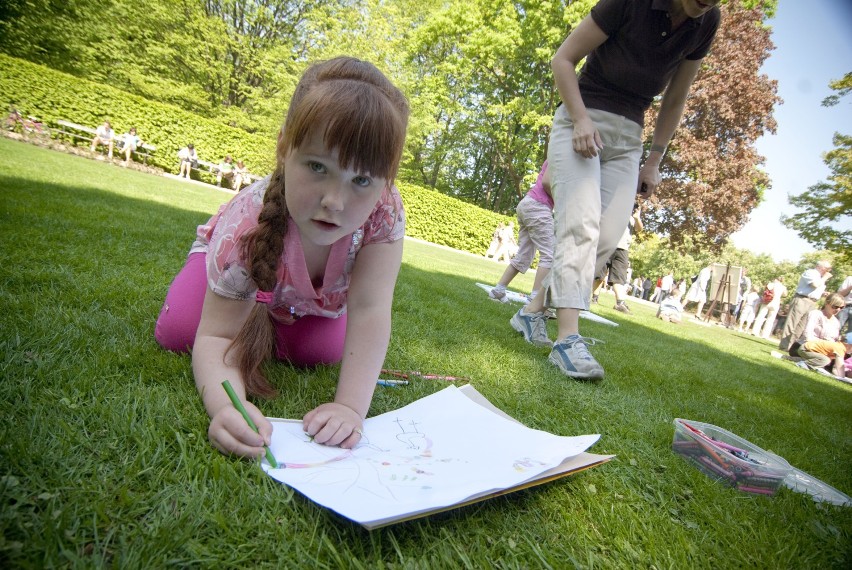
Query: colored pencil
(240, 408)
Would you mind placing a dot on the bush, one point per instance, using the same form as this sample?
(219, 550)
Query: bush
(52, 95)
(442, 219)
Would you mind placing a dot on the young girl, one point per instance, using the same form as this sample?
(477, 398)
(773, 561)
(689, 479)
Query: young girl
(535, 221)
(131, 143)
(749, 310)
(301, 266)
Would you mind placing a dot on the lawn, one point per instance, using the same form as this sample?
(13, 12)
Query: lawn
(104, 459)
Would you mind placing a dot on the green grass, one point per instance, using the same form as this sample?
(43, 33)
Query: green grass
(104, 459)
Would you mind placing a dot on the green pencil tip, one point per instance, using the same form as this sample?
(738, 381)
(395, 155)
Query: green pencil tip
(271, 459)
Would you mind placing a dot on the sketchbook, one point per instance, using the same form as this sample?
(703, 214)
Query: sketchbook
(521, 298)
(446, 450)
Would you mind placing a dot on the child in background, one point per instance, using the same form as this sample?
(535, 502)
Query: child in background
(131, 143)
(225, 170)
(300, 266)
(750, 304)
(240, 175)
(671, 309)
(188, 160)
(508, 247)
(495, 240)
(535, 231)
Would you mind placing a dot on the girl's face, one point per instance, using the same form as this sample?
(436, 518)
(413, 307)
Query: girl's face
(327, 202)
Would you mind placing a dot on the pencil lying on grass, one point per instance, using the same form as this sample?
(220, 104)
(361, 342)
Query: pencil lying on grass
(240, 408)
(416, 374)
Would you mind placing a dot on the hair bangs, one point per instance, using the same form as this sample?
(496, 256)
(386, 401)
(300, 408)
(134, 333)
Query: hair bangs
(361, 123)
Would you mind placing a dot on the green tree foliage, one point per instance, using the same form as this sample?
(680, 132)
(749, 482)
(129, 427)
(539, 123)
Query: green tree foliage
(712, 176)
(826, 217)
(477, 73)
(161, 49)
(843, 86)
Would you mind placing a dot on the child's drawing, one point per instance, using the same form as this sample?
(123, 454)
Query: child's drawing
(412, 437)
(525, 464)
(433, 452)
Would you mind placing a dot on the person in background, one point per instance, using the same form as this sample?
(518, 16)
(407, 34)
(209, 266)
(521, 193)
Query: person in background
(508, 246)
(104, 135)
(619, 262)
(495, 240)
(241, 175)
(843, 317)
(535, 232)
(697, 292)
(809, 290)
(770, 301)
(637, 287)
(666, 285)
(305, 275)
(749, 310)
(658, 290)
(188, 160)
(131, 142)
(820, 345)
(14, 118)
(225, 170)
(647, 286)
(671, 309)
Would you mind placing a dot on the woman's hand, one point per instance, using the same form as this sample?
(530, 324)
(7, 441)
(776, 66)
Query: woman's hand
(230, 434)
(649, 178)
(333, 424)
(586, 139)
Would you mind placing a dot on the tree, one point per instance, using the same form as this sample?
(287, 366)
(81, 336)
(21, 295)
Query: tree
(485, 69)
(827, 206)
(265, 45)
(711, 174)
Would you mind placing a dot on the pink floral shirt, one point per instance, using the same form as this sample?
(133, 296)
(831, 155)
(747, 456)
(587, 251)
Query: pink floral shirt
(294, 295)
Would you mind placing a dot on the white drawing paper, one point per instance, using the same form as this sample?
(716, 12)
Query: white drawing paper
(521, 298)
(511, 295)
(432, 453)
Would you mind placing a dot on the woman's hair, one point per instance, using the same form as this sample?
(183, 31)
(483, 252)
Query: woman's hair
(834, 300)
(364, 117)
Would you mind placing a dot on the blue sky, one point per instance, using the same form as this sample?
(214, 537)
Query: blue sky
(813, 40)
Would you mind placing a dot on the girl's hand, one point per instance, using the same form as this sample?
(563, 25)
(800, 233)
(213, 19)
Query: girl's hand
(649, 179)
(333, 424)
(586, 138)
(230, 434)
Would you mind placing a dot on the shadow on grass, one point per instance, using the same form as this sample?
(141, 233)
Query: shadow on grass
(104, 447)
(111, 258)
(655, 372)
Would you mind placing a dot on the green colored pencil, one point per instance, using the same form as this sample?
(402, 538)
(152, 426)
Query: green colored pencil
(240, 408)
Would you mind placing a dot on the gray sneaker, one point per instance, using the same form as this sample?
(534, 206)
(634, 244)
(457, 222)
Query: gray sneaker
(571, 355)
(498, 295)
(533, 326)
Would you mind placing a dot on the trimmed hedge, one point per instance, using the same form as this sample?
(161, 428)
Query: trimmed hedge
(52, 95)
(442, 219)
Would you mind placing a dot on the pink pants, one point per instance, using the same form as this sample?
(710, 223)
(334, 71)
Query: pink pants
(309, 341)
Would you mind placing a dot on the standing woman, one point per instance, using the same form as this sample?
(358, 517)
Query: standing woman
(636, 49)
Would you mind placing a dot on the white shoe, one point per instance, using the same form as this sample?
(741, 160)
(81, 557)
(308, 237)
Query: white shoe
(498, 295)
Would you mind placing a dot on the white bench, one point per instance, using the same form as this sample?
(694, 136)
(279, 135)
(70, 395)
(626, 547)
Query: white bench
(82, 132)
(213, 170)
